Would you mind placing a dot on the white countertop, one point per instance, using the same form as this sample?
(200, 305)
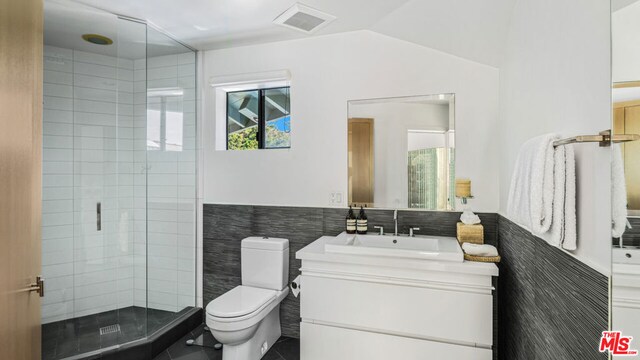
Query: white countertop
(315, 251)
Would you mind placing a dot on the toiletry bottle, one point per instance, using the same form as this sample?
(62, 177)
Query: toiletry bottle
(351, 222)
(361, 224)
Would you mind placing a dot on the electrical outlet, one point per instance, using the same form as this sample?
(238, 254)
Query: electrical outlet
(335, 198)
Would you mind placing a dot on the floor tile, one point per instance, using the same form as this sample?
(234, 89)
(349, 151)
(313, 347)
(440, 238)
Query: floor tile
(79, 335)
(163, 356)
(284, 349)
(288, 348)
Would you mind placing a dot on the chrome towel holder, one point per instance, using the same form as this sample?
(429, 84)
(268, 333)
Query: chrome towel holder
(604, 138)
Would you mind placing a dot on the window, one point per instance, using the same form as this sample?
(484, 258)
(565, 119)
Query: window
(258, 119)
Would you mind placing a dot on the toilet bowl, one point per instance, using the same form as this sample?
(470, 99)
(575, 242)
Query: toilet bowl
(246, 319)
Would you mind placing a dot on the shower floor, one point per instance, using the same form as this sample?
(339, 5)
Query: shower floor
(75, 336)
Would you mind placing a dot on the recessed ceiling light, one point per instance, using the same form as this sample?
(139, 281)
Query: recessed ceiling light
(97, 39)
(304, 18)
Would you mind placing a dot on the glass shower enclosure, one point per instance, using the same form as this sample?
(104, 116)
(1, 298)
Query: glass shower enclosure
(119, 180)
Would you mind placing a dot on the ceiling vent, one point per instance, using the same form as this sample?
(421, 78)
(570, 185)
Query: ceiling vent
(303, 18)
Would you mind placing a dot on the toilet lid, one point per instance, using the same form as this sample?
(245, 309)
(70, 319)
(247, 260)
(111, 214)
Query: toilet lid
(242, 300)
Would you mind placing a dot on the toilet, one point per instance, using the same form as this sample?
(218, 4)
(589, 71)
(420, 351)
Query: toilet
(246, 319)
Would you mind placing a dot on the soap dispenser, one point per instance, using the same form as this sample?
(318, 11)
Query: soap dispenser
(362, 223)
(351, 221)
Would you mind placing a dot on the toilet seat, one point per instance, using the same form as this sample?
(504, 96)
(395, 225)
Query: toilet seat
(240, 301)
(226, 307)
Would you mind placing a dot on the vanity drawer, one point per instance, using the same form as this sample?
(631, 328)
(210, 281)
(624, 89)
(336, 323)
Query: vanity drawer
(463, 317)
(319, 342)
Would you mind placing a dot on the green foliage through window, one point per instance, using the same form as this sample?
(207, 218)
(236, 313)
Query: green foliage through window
(244, 140)
(258, 119)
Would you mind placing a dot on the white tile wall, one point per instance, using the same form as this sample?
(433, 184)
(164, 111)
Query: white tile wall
(94, 150)
(171, 192)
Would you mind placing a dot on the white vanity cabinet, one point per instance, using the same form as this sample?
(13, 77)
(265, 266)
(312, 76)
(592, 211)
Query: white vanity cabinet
(625, 292)
(367, 307)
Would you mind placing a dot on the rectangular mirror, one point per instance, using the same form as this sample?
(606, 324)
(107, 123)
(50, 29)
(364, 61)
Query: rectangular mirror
(401, 152)
(625, 170)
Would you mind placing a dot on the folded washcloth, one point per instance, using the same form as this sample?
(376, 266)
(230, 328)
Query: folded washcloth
(469, 218)
(479, 250)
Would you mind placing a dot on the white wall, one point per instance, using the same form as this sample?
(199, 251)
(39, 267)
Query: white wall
(556, 78)
(391, 122)
(625, 28)
(327, 72)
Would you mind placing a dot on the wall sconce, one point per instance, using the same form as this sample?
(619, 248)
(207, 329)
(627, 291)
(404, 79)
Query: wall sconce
(463, 190)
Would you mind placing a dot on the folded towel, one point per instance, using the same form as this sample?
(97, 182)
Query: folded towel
(469, 218)
(618, 193)
(542, 192)
(479, 250)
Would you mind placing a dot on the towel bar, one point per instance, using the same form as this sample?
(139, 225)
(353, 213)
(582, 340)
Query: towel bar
(604, 138)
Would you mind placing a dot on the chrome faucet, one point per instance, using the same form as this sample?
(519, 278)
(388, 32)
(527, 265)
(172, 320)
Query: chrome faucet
(412, 230)
(395, 220)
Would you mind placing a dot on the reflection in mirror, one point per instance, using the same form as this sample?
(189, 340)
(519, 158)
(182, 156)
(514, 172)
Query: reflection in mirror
(401, 152)
(625, 274)
(626, 120)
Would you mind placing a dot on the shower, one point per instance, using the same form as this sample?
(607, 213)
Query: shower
(119, 180)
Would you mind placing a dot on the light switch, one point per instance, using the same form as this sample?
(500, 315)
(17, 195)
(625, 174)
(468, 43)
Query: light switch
(335, 197)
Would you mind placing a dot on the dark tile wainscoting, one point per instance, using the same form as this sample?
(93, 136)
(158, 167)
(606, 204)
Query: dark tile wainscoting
(552, 306)
(226, 225)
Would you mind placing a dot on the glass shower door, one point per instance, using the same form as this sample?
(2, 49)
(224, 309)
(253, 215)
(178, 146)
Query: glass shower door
(105, 192)
(119, 180)
(171, 178)
(94, 186)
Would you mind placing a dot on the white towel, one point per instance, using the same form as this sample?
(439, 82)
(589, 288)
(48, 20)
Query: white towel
(563, 230)
(531, 192)
(542, 192)
(469, 218)
(479, 249)
(618, 193)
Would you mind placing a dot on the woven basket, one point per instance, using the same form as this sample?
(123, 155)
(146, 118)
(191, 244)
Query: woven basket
(488, 259)
(470, 233)
(474, 234)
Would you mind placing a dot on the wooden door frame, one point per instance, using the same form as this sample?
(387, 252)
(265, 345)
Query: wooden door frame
(21, 82)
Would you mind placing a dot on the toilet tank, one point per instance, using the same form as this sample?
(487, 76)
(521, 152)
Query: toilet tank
(265, 262)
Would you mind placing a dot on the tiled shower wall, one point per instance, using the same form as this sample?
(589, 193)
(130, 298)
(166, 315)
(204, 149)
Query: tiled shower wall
(95, 150)
(87, 157)
(171, 193)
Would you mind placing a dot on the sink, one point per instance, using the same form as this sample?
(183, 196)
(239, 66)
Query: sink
(626, 256)
(438, 248)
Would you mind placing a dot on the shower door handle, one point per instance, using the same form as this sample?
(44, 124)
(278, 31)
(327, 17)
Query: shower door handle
(99, 216)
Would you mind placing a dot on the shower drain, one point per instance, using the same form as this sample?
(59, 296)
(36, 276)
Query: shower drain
(110, 329)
